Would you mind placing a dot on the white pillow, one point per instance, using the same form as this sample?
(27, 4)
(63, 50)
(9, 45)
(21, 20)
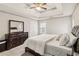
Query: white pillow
(72, 40)
(64, 39)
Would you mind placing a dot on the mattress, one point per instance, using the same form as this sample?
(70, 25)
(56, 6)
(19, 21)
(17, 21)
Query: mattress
(53, 48)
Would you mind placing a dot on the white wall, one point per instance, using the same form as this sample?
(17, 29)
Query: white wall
(33, 28)
(4, 17)
(75, 16)
(59, 25)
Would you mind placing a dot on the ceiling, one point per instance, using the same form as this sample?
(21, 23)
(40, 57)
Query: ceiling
(22, 9)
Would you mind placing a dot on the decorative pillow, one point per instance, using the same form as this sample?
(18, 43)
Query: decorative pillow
(64, 39)
(58, 37)
(72, 40)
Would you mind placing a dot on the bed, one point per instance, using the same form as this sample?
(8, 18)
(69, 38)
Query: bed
(38, 42)
(55, 49)
(47, 44)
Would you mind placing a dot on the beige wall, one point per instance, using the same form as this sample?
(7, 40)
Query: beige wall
(4, 17)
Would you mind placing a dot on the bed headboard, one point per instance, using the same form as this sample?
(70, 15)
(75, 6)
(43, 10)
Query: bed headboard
(75, 32)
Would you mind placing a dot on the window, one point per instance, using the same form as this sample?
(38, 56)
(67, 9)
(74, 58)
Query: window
(42, 27)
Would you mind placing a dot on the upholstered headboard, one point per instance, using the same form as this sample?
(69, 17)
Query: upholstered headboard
(75, 32)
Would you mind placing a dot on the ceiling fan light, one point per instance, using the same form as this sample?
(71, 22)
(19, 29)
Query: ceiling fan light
(38, 8)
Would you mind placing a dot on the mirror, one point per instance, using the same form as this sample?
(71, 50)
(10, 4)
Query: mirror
(16, 26)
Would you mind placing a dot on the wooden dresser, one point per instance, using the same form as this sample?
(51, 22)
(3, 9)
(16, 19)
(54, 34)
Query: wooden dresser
(15, 39)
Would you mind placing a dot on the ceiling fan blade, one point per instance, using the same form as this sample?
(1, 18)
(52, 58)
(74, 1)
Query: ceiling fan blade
(43, 4)
(36, 4)
(32, 7)
(44, 8)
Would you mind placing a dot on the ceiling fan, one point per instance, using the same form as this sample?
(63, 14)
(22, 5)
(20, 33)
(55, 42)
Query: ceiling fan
(39, 6)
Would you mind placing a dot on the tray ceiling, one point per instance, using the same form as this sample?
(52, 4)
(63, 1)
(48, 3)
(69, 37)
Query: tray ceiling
(53, 10)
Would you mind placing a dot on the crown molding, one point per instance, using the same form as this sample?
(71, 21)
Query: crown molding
(15, 14)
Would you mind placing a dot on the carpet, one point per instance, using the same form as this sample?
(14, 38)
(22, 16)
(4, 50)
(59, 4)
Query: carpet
(27, 54)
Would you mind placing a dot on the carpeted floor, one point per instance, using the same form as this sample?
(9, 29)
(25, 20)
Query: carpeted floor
(27, 54)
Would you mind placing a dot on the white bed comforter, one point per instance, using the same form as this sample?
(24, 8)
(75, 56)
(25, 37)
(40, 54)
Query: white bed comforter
(37, 43)
(53, 48)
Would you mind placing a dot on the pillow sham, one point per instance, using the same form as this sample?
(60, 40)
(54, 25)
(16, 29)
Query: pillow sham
(72, 40)
(64, 39)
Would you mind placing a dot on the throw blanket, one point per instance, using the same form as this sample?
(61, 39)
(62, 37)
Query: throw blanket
(37, 43)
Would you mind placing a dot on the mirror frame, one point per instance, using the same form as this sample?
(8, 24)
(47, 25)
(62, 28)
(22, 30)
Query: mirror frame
(10, 28)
